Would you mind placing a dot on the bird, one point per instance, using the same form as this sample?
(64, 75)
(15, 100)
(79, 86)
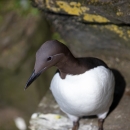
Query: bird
(82, 86)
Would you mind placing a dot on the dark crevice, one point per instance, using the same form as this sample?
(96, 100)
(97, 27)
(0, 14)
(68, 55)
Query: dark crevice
(84, 22)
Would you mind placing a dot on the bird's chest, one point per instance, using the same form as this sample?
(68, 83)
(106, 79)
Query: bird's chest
(69, 90)
(82, 91)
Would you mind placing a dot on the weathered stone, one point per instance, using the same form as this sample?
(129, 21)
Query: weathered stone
(100, 11)
(41, 121)
(95, 25)
(98, 28)
(118, 119)
(119, 116)
(82, 37)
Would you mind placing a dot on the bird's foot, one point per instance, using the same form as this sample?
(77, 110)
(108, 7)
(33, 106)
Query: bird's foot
(75, 125)
(100, 129)
(100, 124)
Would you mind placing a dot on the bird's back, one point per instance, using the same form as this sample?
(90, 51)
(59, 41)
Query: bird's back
(91, 62)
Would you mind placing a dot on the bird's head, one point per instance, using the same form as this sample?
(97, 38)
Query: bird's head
(49, 54)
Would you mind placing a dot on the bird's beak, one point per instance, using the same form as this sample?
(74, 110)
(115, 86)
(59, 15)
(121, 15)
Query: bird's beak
(40, 68)
(33, 77)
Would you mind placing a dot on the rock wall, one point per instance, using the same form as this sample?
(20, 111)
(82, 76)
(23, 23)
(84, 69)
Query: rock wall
(99, 28)
(95, 25)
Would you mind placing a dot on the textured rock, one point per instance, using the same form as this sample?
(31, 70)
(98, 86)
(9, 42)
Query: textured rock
(55, 122)
(94, 25)
(49, 122)
(54, 119)
(118, 119)
(100, 11)
(98, 28)
(83, 37)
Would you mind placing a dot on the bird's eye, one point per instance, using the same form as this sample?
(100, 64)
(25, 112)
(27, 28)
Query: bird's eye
(49, 58)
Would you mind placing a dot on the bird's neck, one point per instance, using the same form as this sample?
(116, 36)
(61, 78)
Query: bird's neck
(70, 65)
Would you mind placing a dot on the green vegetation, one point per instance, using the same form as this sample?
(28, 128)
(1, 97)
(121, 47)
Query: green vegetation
(23, 7)
(56, 36)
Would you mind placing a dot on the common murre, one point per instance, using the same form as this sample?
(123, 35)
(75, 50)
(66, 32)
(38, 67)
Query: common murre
(81, 87)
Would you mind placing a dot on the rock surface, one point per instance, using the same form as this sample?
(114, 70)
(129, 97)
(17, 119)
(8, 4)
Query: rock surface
(93, 25)
(100, 11)
(54, 119)
(55, 122)
(118, 118)
(98, 28)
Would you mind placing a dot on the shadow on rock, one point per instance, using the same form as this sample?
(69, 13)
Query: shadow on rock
(120, 85)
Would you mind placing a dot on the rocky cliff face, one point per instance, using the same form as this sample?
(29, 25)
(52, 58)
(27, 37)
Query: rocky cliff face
(95, 24)
(90, 28)
(98, 28)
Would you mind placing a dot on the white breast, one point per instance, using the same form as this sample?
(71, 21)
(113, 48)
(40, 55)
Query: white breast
(90, 93)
